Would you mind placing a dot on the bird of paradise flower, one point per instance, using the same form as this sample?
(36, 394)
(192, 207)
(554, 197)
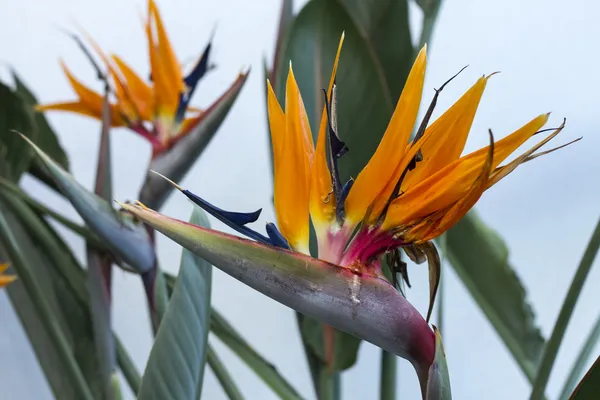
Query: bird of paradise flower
(158, 110)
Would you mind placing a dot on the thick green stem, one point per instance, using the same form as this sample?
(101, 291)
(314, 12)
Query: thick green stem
(539, 385)
(128, 368)
(388, 376)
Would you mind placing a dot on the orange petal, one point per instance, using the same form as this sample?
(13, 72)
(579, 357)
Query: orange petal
(82, 109)
(294, 156)
(93, 101)
(381, 167)
(140, 92)
(450, 184)
(276, 124)
(440, 222)
(453, 126)
(5, 279)
(501, 172)
(322, 203)
(166, 72)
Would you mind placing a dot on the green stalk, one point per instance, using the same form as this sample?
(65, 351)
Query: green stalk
(539, 385)
(45, 312)
(128, 368)
(223, 376)
(388, 376)
(580, 362)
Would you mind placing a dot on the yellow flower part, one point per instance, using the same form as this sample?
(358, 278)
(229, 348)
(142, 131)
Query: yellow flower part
(299, 189)
(411, 190)
(158, 109)
(5, 279)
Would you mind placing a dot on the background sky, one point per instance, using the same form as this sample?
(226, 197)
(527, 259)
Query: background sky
(547, 51)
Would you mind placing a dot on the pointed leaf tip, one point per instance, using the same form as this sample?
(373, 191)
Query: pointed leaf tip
(129, 241)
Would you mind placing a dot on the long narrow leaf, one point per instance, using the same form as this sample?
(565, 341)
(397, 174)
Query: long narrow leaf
(551, 349)
(176, 365)
(264, 369)
(45, 313)
(584, 354)
(480, 258)
(589, 387)
(225, 379)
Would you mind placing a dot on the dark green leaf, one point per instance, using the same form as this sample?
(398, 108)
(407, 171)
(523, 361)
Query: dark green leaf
(176, 162)
(264, 369)
(589, 387)
(564, 316)
(384, 25)
(176, 365)
(15, 154)
(126, 238)
(581, 360)
(285, 20)
(48, 313)
(365, 103)
(223, 376)
(45, 136)
(345, 345)
(480, 258)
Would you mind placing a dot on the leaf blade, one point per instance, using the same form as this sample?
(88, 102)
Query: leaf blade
(471, 241)
(125, 238)
(176, 364)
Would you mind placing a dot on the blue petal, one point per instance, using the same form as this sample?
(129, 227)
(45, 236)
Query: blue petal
(237, 218)
(234, 220)
(191, 82)
(276, 237)
(340, 213)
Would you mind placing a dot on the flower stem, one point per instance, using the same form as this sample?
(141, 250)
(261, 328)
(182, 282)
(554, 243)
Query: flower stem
(388, 376)
(564, 316)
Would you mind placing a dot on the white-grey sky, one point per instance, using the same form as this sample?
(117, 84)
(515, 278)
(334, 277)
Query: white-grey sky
(548, 54)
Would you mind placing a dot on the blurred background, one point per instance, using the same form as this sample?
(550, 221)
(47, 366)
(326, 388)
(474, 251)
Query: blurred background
(547, 51)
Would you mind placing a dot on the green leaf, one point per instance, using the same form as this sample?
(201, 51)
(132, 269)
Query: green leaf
(365, 103)
(385, 27)
(264, 369)
(176, 162)
(480, 258)
(589, 387)
(438, 384)
(125, 238)
(581, 360)
(564, 316)
(223, 376)
(176, 365)
(15, 154)
(345, 345)
(45, 136)
(50, 315)
(361, 305)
